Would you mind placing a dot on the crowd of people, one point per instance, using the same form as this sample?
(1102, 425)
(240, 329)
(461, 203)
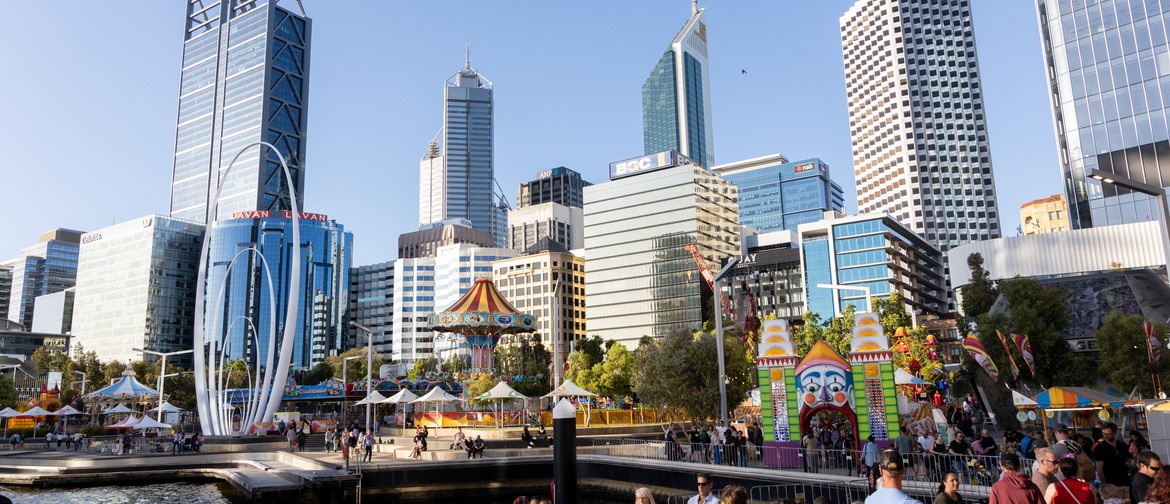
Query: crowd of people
(713, 443)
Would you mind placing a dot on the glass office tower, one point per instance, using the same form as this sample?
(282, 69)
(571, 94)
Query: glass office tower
(1108, 66)
(244, 79)
(456, 175)
(322, 302)
(676, 97)
(775, 194)
(47, 267)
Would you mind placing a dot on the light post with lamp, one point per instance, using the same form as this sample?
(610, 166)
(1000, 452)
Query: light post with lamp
(1158, 193)
(162, 372)
(82, 382)
(369, 367)
(731, 262)
(345, 389)
(837, 305)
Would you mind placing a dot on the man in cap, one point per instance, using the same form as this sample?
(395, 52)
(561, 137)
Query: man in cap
(890, 464)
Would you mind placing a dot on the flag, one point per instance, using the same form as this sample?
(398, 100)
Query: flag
(1008, 351)
(1025, 348)
(975, 348)
(1153, 344)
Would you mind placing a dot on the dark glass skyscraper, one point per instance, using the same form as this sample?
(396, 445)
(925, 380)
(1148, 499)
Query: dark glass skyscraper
(676, 97)
(244, 79)
(1108, 66)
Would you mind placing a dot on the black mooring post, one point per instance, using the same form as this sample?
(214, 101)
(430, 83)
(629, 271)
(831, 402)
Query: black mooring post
(564, 453)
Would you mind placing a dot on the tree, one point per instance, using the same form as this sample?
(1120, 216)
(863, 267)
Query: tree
(421, 368)
(181, 390)
(8, 396)
(981, 293)
(1124, 358)
(483, 383)
(679, 373)
(837, 332)
(321, 372)
(586, 353)
(49, 359)
(356, 368)
(528, 362)
(613, 376)
(113, 371)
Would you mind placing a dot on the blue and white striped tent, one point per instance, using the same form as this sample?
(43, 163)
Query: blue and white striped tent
(128, 386)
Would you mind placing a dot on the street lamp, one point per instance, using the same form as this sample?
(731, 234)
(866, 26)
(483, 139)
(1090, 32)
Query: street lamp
(1157, 192)
(344, 391)
(369, 367)
(558, 362)
(162, 372)
(837, 305)
(83, 378)
(731, 262)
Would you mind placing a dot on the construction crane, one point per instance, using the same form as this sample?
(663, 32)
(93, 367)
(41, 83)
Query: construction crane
(709, 277)
(749, 324)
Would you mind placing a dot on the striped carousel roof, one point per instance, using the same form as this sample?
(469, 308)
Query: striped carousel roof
(482, 310)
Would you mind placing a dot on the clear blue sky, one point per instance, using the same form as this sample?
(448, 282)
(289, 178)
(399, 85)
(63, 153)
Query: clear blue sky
(88, 100)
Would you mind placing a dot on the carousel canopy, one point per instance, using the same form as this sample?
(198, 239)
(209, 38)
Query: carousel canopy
(482, 310)
(128, 386)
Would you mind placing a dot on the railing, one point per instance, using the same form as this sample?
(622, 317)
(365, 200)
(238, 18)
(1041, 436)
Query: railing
(836, 493)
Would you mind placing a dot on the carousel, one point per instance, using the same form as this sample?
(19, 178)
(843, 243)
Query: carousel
(482, 316)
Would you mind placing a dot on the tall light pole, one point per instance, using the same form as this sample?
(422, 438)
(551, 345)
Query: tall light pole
(369, 368)
(1157, 192)
(162, 372)
(837, 305)
(558, 362)
(83, 378)
(717, 308)
(344, 385)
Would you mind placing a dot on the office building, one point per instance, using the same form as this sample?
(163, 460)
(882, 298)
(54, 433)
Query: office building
(1045, 215)
(237, 86)
(426, 285)
(136, 285)
(529, 282)
(916, 118)
(769, 270)
(457, 172)
(426, 241)
(47, 267)
(873, 255)
(676, 97)
(53, 313)
(5, 288)
(641, 280)
(530, 224)
(371, 302)
(559, 185)
(249, 267)
(775, 194)
(1109, 83)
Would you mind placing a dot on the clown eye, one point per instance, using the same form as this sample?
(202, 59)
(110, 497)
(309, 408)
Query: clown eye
(836, 387)
(812, 387)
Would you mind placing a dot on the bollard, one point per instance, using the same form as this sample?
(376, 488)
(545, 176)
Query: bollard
(564, 453)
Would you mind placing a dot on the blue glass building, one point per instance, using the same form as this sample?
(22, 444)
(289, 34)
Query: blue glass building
(676, 97)
(775, 194)
(47, 267)
(322, 301)
(1108, 67)
(874, 252)
(244, 79)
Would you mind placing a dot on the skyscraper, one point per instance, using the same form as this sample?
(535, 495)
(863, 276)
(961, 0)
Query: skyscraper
(1108, 70)
(775, 194)
(676, 97)
(916, 117)
(456, 174)
(47, 267)
(244, 79)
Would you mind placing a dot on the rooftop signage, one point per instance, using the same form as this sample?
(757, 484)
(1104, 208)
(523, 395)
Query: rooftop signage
(281, 214)
(643, 164)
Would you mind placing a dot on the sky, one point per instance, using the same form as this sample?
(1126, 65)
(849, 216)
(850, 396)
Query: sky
(89, 99)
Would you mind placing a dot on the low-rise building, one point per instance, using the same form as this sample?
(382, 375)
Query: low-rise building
(1045, 215)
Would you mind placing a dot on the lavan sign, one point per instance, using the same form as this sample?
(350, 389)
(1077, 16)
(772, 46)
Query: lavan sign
(267, 214)
(643, 164)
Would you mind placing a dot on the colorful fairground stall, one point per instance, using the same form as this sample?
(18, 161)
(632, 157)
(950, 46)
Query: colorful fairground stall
(1080, 408)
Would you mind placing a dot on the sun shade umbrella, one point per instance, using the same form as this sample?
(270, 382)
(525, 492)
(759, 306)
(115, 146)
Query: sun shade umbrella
(150, 423)
(120, 408)
(501, 392)
(436, 395)
(402, 397)
(166, 408)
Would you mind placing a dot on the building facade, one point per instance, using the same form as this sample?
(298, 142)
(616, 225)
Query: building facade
(244, 79)
(47, 267)
(641, 279)
(559, 185)
(53, 313)
(547, 282)
(770, 271)
(874, 252)
(530, 224)
(1108, 70)
(916, 118)
(775, 194)
(136, 288)
(5, 287)
(371, 302)
(457, 172)
(249, 268)
(426, 242)
(1045, 215)
(676, 97)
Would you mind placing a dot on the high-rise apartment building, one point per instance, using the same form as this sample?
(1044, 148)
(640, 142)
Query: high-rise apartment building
(249, 270)
(426, 242)
(916, 117)
(1108, 70)
(245, 79)
(371, 302)
(529, 282)
(775, 194)
(559, 185)
(1045, 215)
(47, 267)
(5, 287)
(641, 279)
(550, 206)
(136, 288)
(676, 97)
(457, 172)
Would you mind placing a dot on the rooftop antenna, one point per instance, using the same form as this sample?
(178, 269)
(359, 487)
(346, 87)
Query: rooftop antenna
(467, 61)
(694, 7)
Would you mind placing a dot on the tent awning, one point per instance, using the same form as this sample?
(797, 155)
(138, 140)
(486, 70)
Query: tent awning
(373, 398)
(569, 389)
(1071, 398)
(1022, 401)
(501, 391)
(120, 408)
(436, 395)
(403, 396)
(903, 377)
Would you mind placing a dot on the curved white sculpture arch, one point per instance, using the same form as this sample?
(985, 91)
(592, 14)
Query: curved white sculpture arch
(211, 400)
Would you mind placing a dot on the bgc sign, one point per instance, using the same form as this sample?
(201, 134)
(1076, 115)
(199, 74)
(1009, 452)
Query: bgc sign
(643, 164)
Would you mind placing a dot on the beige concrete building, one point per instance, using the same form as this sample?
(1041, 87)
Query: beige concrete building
(1045, 215)
(528, 281)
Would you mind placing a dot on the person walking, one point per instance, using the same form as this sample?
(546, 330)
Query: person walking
(889, 464)
(705, 496)
(643, 496)
(1013, 487)
(330, 434)
(1160, 490)
(1046, 467)
(301, 438)
(1111, 457)
(948, 489)
(1148, 464)
(905, 444)
(870, 458)
(1071, 489)
(368, 445)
